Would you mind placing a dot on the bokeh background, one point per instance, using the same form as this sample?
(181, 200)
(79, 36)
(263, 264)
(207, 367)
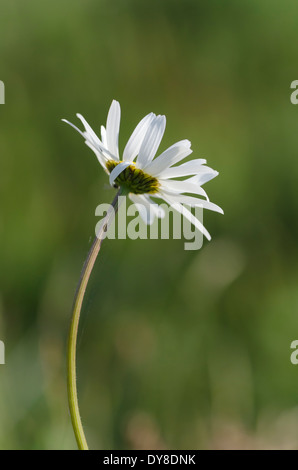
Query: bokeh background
(177, 349)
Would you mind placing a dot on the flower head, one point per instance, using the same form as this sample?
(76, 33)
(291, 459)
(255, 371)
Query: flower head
(143, 175)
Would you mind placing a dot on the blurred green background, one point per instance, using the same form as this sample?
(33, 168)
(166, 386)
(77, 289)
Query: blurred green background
(177, 349)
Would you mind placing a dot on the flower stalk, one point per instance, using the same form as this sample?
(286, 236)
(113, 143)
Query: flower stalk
(73, 331)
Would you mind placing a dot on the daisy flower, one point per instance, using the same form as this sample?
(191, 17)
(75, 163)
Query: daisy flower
(143, 175)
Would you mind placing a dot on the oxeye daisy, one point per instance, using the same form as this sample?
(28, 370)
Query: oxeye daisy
(143, 175)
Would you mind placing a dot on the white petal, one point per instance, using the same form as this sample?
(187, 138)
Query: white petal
(112, 128)
(206, 174)
(185, 186)
(75, 127)
(104, 136)
(148, 209)
(188, 215)
(151, 141)
(146, 215)
(134, 143)
(117, 170)
(189, 168)
(193, 201)
(99, 148)
(159, 211)
(147, 201)
(89, 132)
(169, 157)
(95, 144)
(101, 157)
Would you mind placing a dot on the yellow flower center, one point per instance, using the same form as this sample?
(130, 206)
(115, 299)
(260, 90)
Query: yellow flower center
(134, 179)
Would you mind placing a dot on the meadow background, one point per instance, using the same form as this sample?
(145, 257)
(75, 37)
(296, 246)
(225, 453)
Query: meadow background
(177, 349)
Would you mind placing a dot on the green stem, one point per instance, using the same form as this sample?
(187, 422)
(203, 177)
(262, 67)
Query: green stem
(73, 331)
